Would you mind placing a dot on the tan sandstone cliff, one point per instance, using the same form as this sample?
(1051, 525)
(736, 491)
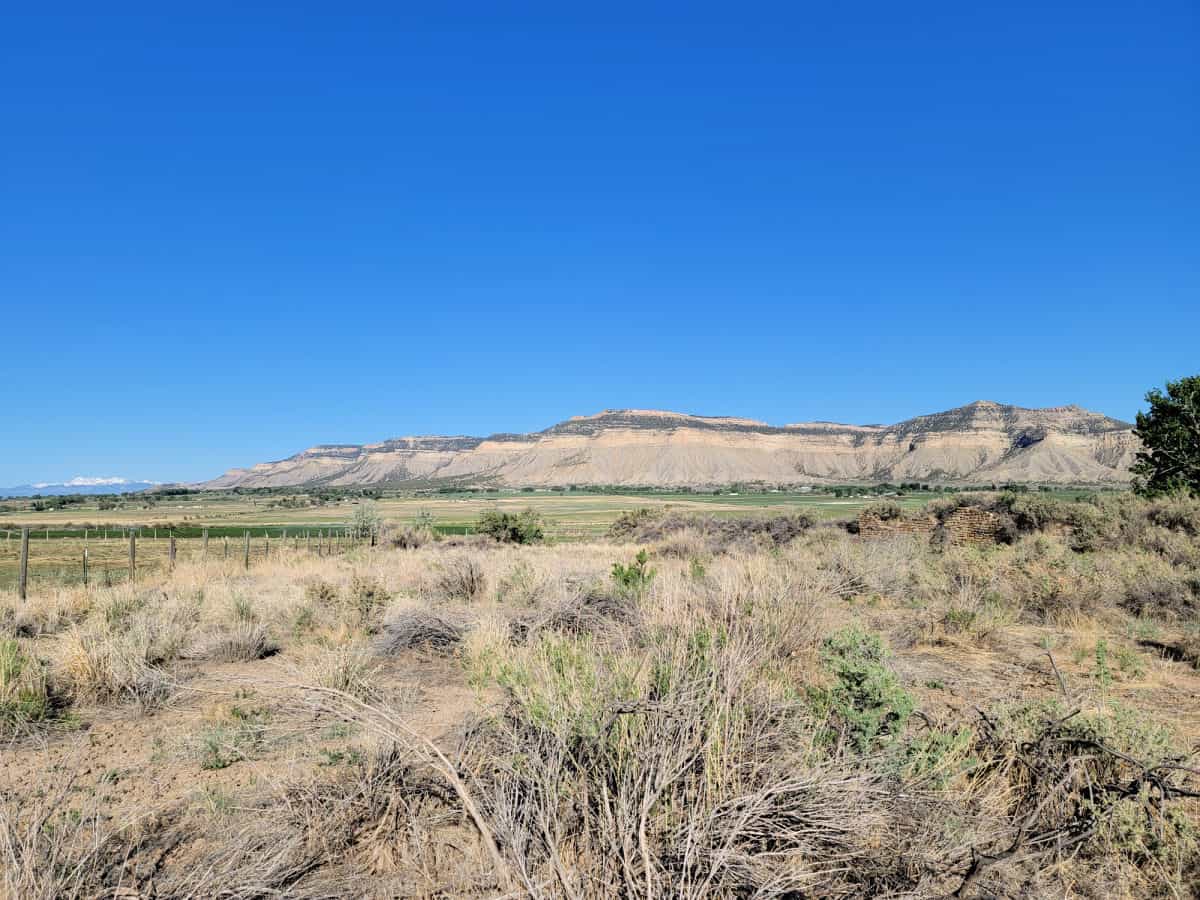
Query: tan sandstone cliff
(979, 443)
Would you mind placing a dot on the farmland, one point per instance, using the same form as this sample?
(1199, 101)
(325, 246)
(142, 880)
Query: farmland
(58, 537)
(458, 715)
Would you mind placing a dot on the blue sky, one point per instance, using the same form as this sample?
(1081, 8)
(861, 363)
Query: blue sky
(228, 232)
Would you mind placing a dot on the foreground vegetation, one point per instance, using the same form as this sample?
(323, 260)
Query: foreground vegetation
(690, 706)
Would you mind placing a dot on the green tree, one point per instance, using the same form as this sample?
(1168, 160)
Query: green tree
(1170, 435)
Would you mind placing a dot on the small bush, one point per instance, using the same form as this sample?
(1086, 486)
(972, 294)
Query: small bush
(245, 642)
(462, 580)
(321, 593)
(369, 595)
(521, 586)
(413, 538)
(521, 528)
(419, 628)
(232, 734)
(25, 693)
(123, 665)
(348, 669)
(866, 698)
(635, 578)
(588, 611)
(884, 510)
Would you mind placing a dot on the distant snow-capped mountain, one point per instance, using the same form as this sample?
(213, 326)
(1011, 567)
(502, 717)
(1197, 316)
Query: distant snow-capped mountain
(78, 485)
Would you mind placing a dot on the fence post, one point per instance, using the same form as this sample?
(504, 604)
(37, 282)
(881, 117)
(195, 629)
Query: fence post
(246, 553)
(266, 544)
(171, 551)
(204, 545)
(85, 555)
(23, 577)
(132, 556)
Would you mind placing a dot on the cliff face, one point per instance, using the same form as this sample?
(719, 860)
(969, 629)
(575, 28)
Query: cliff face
(978, 443)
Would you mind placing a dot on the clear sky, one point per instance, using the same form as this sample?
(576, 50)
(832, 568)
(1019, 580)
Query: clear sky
(230, 231)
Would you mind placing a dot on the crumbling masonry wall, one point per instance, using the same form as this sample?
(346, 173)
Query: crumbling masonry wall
(965, 525)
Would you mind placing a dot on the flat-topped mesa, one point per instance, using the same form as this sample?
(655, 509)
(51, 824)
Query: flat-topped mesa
(979, 443)
(653, 419)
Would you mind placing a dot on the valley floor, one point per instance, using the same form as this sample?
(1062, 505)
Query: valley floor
(724, 716)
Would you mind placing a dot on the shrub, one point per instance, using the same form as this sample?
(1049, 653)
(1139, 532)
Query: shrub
(413, 538)
(320, 593)
(244, 642)
(866, 698)
(884, 510)
(521, 528)
(419, 628)
(105, 665)
(1108, 780)
(1177, 512)
(348, 669)
(635, 578)
(233, 733)
(462, 580)
(366, 522)
(521, 586)
(717, 535)
(369, 595)
(587, 611)
(25, 694)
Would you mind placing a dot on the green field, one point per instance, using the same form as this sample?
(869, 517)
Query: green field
(58, 535)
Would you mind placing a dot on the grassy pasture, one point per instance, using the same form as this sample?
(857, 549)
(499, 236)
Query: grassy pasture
(57, 535)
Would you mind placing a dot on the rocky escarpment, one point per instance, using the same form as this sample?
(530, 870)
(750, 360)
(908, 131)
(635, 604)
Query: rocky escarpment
(977, 443)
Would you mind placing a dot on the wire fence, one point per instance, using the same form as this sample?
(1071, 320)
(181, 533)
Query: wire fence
(40, 559)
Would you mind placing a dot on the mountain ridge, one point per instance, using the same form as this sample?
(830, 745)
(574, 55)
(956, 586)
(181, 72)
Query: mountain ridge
(982, 441)
(80, 485)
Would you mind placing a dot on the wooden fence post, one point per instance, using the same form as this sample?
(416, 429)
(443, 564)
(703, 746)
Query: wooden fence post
(171, 551)
(266, 544)
(132, 556)
(23, 576)
(246, 552)
(85, 577)
(204, 545)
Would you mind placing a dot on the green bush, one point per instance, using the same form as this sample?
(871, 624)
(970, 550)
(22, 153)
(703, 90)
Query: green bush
(866, 698)
(634, 578)
(522, 528)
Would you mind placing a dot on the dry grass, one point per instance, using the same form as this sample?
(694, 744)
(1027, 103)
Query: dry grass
(730, 727)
